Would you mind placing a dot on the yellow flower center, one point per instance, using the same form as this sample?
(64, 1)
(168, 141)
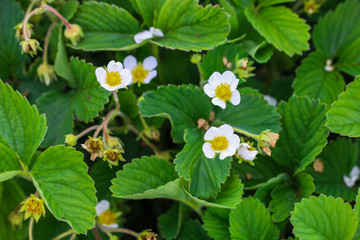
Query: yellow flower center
(108, 217)
(113, 79)
(112, 155)
(34, 206)
(139, 73)
(223, 92)
(219, 143)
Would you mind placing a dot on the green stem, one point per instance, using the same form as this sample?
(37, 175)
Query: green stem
(143, 122)
(46, 43)
(121, 230)
(64, 234)
(31, 226)
(155, 49)
(150, 144)
(202, 79)
(256, 137)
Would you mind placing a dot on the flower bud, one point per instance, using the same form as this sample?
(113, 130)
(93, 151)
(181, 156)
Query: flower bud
(33, 207)
(267, 139)
(15, 219)
(246, 152)
(94, 146)
(30, 46)
(195, 58)
(147, 235)
(19, 31)
(74, 33)
(46, 74)
(244, 68)
(311, 7)
(113, 142)
(70, 139)
(152, 133)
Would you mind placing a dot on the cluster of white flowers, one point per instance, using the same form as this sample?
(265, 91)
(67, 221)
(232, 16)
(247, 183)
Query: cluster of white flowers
(148, 34)
(223, 141)
(115, 76)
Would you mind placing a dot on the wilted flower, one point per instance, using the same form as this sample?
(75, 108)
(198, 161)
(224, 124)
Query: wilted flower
(33, 207)
(106, 217)
(147, 34)
(113, 156)
(46, 73)
(30, 46)
(244, 68)
(222, 88)
(141, 72)
(220, 140)
(267, 139)
(70, 139)
(94, 146)
(114, 76)
(246, 152)
(113, 142)
(353, 177)
(74, 33)
(147, 235)
(19, 31)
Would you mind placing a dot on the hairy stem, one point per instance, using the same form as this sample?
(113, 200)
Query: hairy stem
(46, 43)
(87, 130)
(121, 230)
(26, 21)
(96, 233)
(53, 10)
(31, 226)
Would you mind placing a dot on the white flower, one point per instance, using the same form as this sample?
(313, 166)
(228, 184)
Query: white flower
(147, 34)
(114, 76)
(272, 101)
(141, 72)
(222, 88)
(220, 140)
(244, 151)
(106, 217)
(328, 67)
(353, 177)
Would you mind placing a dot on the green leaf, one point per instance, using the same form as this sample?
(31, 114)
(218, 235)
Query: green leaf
(141, 179)
(264, 189)
(216, 223)
(324, 218)
(102, 176)
(12, 62)
(357, 209)
(11, 195)
(177, 103)
(213, 60)
(205, 174)
(341, 26)
(258, 49)
(267, 3)
(344, 115)
(284, 196)
(338, 157)
(147, 10)
(193, 230)
(21, 125)
(251, 220)
(60, 176)
(9, 165)
(253, 115)
(280, 27)
(106, 27)
(314, 81)
(60, 121)
(188, 26)
(128, 103)
(303, 133)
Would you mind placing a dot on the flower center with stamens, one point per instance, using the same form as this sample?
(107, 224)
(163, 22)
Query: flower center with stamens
(139, 73)
(219, 143)
(113, 79)
(223, 92)
(107, 218)
(34, 206)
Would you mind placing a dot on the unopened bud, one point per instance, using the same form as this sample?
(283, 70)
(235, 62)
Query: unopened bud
(147, 235)
(244, 68)
(246, 152)
(74, 33)
(30, 46)
(70, 139)
(15, 219)
(310, 7)
(46, 73)
(267, 139)
(195, 58)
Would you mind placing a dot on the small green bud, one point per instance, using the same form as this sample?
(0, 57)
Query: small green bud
(113, 237)
(74, 33)
(30, 46)
(152, 133)
(46, 73)
(147, 235)
(195, 58)
(70, 139)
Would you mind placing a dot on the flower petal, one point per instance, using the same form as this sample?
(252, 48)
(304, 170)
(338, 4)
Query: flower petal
(234, 84)
(150, 63)
(114, 225)
(210, 133)
(150, 76)
(215, 79)
(234, 141)
(100, 74)
(235, 98)
(142, 36)
(130, 62)
(126, 77)
(218, 102)
(227, 153)
(114, 66)
(228, 76)
(209, 90)
(157, 32)
(226, 130)
(101, 207)
(208, 152)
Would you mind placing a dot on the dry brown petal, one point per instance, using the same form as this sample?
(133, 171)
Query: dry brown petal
(248, 176)
(266, 150)
(202, 123)
(318, 166)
